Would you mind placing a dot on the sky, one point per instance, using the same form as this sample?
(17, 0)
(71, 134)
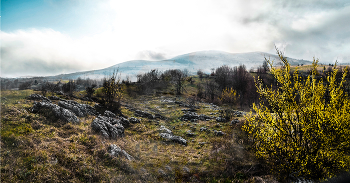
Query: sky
(51, 37)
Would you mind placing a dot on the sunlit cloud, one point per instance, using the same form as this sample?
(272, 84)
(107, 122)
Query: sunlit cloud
(105, 33)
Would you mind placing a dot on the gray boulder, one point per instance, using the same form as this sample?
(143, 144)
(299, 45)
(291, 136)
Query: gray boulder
(108, 127)
(134, 120)
(38, 97)
(220, 119)
(53, 97)
(235, 121)
(81, 110)
(174, 138)
(58, 111)
(108, 113)
(190, 133)
(203, 129)
(163, 129)
(125, 122)
(115, 150)
(219, 133)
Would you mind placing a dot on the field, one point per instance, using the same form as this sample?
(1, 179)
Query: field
(40, 148)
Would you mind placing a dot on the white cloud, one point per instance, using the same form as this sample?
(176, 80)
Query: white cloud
(117, 31)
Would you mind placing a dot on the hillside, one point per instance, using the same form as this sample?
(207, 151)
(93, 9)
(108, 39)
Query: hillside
(204, 60)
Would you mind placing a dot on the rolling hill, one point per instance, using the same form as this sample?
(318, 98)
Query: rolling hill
(204, 60)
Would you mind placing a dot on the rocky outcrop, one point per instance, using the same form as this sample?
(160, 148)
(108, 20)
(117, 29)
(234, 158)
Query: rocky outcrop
(193, 117)
(219, 133)
(38, 97)
(53, 97)
(134, 120)
(115, 150)
(144, 114)
(167, 134)
(108, 113)
(108, 127)
(81, 110)
(125, 122)
(220, 119)
(59, 112)
(235, 121)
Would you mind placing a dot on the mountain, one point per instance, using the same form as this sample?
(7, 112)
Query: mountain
(204, 60)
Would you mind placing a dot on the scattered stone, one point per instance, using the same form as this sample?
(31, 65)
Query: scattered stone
(220, 119)
(203, 129)
(219, 133)
(204, 117)
(201, 143)
(173, 138)
(163, 129)
(144, 114)
(194, 120)
(161, 172)
(134, 120)
(168, 168)
(218, 125)
(108, 127)
(59, 93)
(53, 97)
(190, 134)
(108, 113)
(186, 170)
(235, 121)
(115, 150)
(81, 110)
(61, 113)
(125, 122)
(38, 97)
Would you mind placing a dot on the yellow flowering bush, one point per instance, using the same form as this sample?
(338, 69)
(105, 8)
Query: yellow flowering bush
(228, 95)
(302, 128)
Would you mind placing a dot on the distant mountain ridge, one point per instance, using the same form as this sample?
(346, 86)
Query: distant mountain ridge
(204, 60)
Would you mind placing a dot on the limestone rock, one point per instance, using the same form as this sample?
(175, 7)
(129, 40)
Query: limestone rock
(59, 112)
(38, 97)
(115, 150)
(108, 127)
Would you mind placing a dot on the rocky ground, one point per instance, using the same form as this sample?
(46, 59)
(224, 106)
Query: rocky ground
(162, 139)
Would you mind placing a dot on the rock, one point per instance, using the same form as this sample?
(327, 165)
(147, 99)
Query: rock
(134, 120)
(194, 120)
(203, 129)
(81, 110)
(161, 172)
(168, 168)
(53, 97)
(204, 117)
(218, 125)
(186, 170)
(115, 150)
(61, 113)
(163, 129)
(220, 119)
(108, 113)
(143, 114)
(38, 97)
(219, 133)
(173, 138)
(125, 122)
(235, 121)
(190, 134)
(105, 126)
(59, 93)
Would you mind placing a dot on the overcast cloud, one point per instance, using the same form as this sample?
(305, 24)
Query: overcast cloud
(89, 35)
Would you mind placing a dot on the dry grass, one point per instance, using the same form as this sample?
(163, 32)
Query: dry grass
(39, 148)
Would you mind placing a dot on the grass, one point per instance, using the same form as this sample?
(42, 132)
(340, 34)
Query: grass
(39, 148)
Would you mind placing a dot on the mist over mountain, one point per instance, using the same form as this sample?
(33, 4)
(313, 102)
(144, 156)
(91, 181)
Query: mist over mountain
(204, 60)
